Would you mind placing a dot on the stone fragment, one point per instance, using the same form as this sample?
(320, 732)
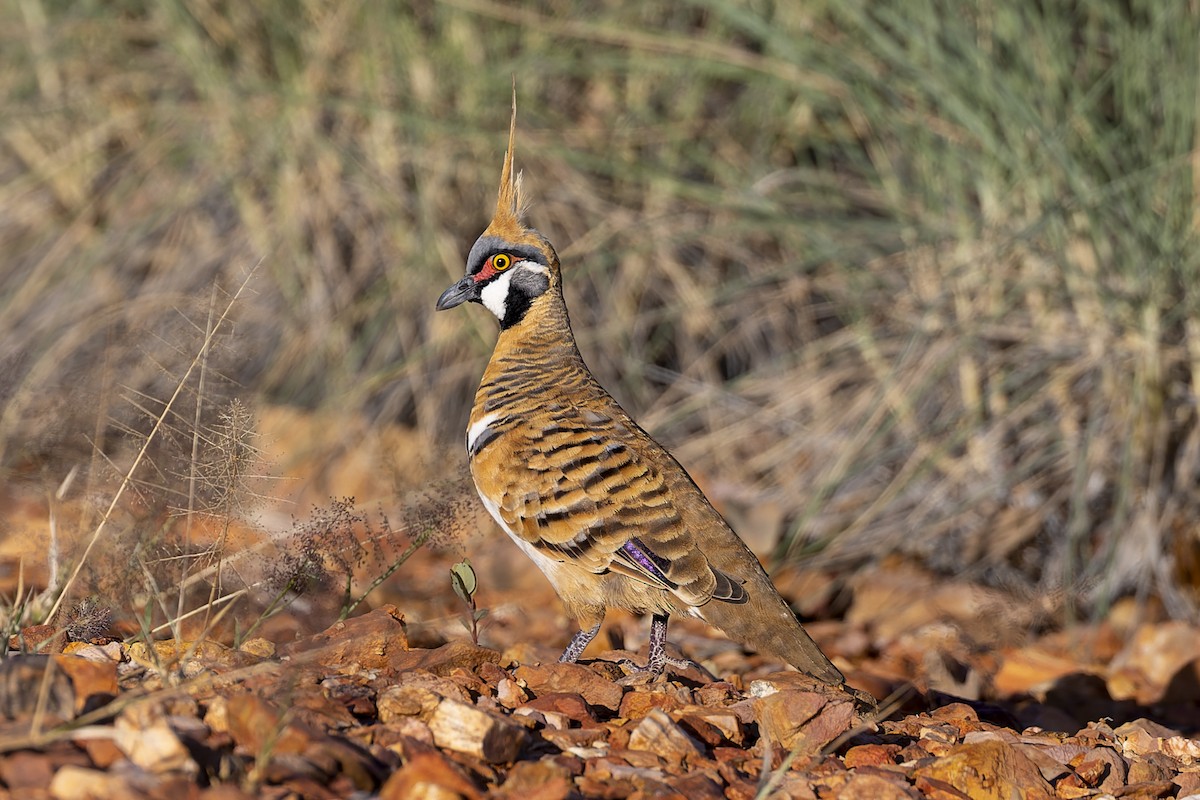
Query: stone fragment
(102, 751)
(657, 733)
(407, 701)
(545, 779)
(1147, 790)
(935, 789)
(728, 723)
(720, 693)
(371, 641)
(510, 694)
(443, 660)
(216, 714)
(466, 729)
(94, 683)
(113, 651)
(352, 692)
(29, 682)
(187, 657)
(697, 786)
(596, 690)
(26, 771)
(876, 787)
(569, 704)
(1189, 784)
(989, 771)
(80, 783)
(1151, 659)
(42, 639)
(144, 734)
(803, 721)
(1101, 768)
(1051, 768)
(259, 647)
(1024, 669)
(871, 755)
(428, 775)
(938, 739)
(1149, 769)
(638, 703)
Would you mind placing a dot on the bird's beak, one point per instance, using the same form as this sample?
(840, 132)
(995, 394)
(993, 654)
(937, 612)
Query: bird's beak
(458, 294)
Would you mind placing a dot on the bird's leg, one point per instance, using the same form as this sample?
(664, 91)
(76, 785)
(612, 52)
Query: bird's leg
(658, 658)
(578, 644)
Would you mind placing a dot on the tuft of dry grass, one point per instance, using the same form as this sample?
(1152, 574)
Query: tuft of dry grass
(915, 278)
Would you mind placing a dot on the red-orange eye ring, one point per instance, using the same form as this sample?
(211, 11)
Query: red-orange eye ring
(501, 262)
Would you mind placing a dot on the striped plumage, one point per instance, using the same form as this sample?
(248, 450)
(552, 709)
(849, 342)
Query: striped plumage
(608, 515)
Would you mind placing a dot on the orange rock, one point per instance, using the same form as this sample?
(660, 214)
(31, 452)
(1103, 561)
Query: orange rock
(716, 694)
(371, 641)
(94, 682)
(545, 779)
(428, 775)
(570, 704)
(1188, 783)
(38, 639)
(804, 721)
(938, 739)
(639, 703)
(26, 772)
(934, 789)
(442, 660)
(713, 726)
(27, 679)
(697, 786)
(1152, 658)
(407, 701)
(510, 694)
(1026, 668)
(597, 691)
(254, 723)
(102, 751)
(1150, 769)
(876, 787)
(78, 783)
(457, 726)
(989, 770)
(1149, 790)
(657, 733)
(871, 755)
(1101, 768)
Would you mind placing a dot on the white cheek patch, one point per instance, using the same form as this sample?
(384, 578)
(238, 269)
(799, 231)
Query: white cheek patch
(495, 295)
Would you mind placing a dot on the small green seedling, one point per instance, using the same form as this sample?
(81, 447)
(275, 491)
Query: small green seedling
(462, 578)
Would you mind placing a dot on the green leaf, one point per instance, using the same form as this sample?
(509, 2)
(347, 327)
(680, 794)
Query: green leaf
(462, 578)
(480, 613)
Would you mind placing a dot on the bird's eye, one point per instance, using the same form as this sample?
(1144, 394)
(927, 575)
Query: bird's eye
(501, 262)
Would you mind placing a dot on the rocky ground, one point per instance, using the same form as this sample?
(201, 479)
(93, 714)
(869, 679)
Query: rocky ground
(366, 709)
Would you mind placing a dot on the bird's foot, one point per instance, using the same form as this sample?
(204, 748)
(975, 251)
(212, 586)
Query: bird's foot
(655, 670)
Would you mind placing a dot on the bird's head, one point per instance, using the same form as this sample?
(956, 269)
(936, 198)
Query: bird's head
(510, 266)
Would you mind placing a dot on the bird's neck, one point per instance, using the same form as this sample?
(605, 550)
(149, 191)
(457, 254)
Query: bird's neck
(544, 334)
(539, 350)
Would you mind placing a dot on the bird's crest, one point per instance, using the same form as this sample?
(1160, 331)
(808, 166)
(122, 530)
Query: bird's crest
(509, 201)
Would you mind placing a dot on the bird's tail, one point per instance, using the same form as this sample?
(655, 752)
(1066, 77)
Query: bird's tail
(766, 623)
(762, 620)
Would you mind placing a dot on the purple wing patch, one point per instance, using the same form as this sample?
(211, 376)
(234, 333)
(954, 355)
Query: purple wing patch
(635, 550)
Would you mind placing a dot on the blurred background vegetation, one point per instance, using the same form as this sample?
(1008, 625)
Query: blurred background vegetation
(912, 278)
